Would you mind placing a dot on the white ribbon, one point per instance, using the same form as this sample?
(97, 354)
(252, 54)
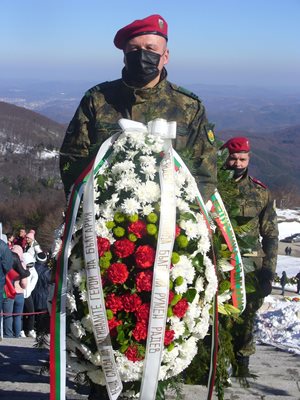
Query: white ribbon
(161, 271)
(95, 296)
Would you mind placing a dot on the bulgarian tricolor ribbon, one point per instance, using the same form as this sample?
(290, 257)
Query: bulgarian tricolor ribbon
(58, 310)
(237, 277)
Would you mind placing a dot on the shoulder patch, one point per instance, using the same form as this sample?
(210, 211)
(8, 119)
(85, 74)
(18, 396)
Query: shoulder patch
(210, 134)
(258, 182)
(182, 90)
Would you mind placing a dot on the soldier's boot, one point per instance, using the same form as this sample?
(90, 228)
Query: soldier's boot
(241, 369)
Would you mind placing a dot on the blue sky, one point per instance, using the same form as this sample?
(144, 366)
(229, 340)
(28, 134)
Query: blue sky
(248, 42)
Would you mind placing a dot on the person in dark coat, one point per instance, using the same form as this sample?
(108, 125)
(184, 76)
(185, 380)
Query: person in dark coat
(40, 294)
(283, 282)
(298, 282)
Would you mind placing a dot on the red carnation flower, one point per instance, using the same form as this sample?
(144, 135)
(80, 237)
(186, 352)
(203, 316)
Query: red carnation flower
(117, 273)
(140, 331)
(169, 337)
(132, 353)
(177, 231)
(144, 256)
(103, 245)
(142, 313)
(113, 302)
(144, 281)
(131, 302)
(180, 308)
(123, 248)
(112, 325)
(171, 296)
(138, 228)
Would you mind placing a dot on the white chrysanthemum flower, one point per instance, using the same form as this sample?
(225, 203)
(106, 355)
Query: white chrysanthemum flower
(106, 212)
(147, 209)
(156, 143)
(136, 138)
(120, 168)
(71, 302)
(87, 323)
(180, 289)
(180, 178)
(127, 182)
(78, 278)
(120, 143)
(212, 279)
(77, 329)
(199, 285)
(148, 192)
(182, 205)
(191, 228)
(188, 348)
(183, 268)
(148, 166)
(177, 326)
(170, 356)
(130, 206)
(102, 230)
(129, 370)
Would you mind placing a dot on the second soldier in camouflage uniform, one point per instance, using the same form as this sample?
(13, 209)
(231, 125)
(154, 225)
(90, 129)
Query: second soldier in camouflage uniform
(257, 217)
(135, 97)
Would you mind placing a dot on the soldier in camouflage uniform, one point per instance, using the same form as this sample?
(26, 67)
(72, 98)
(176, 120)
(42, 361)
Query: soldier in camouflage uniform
(142, 94)
(257, 215)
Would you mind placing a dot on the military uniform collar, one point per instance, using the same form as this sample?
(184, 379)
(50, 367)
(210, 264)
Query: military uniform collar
(140, 95)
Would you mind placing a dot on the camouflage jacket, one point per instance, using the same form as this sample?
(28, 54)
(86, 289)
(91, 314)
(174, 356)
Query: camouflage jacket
(257, 212)
(102, 106)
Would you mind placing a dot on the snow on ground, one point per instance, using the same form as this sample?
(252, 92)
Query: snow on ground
(278, 320)
(288, 222)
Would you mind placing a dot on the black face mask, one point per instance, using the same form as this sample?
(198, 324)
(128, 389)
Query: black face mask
(141, 67)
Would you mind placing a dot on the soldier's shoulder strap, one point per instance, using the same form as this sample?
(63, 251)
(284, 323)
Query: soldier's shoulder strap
(257, 182)
(184, 91)
(101, 87)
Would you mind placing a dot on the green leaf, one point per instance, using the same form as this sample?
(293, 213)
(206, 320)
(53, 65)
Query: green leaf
(190, 295)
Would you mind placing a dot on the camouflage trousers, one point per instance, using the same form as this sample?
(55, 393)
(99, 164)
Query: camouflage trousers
(242, 332)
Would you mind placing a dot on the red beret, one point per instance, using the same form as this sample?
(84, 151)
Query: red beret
(237, 145)
(154, 24)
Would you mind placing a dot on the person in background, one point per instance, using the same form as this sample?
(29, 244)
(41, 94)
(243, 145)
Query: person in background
(257, 211)
(298, 282)
(6, 263)
(40, 294)
(10, 240)
(13, 301)
(28, 320)
(20, 240)
(286, 251)
(32, 246)
(283, 282)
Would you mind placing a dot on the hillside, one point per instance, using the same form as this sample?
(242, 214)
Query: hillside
(30, 188)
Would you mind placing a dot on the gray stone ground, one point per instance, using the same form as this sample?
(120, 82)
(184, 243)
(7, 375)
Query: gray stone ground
(277, 376)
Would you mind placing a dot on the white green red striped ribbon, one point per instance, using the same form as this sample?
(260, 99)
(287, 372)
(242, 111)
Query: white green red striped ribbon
(58, 310)
(237, 277)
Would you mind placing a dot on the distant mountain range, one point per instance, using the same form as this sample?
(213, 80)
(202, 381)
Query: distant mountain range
(29, 141)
